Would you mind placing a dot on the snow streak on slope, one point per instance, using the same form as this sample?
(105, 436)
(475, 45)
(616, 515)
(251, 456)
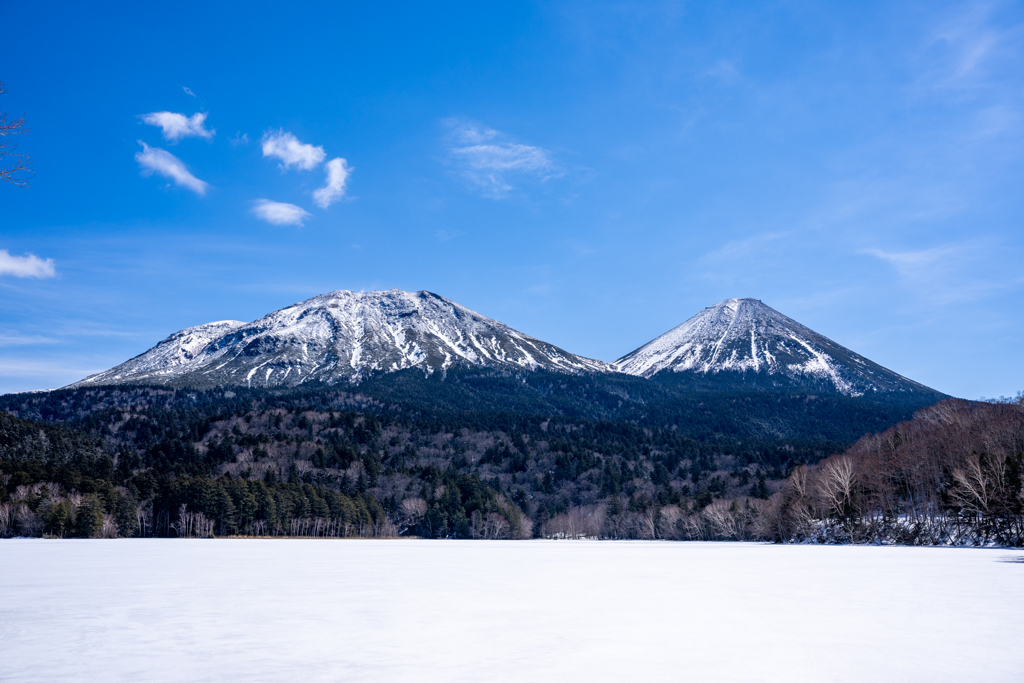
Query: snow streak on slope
(746, 337)
(342, 336)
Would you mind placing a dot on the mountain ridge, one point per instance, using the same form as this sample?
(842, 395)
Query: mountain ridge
(345, 337)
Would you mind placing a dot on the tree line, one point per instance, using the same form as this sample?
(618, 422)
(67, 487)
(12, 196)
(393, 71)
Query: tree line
(133, 461)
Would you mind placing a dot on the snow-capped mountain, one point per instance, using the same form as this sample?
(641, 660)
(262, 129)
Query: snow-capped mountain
(346, 337)
(745, 341)
(341, 336)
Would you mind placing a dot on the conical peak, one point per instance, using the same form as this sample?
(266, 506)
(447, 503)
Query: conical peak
(745, 337)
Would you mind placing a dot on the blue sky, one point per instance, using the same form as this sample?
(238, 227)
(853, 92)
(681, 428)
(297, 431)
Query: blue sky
(591, 174)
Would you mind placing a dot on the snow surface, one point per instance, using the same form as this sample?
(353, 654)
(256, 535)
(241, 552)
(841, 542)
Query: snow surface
(408, 610)
(342, 336)
(745, 335)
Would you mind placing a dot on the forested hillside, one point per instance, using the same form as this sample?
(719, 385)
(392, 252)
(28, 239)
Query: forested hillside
(953, 474)
(472, 456)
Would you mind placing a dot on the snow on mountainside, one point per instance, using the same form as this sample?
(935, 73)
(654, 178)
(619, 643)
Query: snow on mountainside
(742, 339)
(341, 336)
(172, 353)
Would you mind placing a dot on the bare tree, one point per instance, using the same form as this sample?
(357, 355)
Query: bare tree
(14, 168)
(836, 481)
(721, 519)
(979, 482)
(143, 517)
(7, 513)
(411, 511)
(110, 528)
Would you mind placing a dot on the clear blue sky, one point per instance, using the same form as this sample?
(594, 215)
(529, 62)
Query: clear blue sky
(590, 174)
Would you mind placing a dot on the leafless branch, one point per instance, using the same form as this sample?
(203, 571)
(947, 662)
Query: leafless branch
(16, 168)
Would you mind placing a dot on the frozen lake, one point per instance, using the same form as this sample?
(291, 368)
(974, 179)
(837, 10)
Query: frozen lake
(408, 610)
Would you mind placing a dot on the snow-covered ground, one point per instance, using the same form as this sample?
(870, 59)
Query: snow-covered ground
(298, 610)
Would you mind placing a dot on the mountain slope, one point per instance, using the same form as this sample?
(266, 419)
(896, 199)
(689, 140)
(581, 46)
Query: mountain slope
(745, 342)
(341, 336)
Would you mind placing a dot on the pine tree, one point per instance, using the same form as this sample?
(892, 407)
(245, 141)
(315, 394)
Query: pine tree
(89, 518)
(760, 488)
(58, 520)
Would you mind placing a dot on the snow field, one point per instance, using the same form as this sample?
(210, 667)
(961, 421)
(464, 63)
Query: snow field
(410, 610)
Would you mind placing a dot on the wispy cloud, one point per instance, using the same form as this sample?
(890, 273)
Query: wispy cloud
(26, 340)
(337, 176)
(291, 152)
(279, 213)
(971, 49)
(969, 39)
(178, 126)
(239, 139)
(723, 70)
(156, 160)
(953, 272)
(28, 265)
(742, 248)
(188, 91)
(446, 235)
(32, 368)
(918, 264)
(490, 161)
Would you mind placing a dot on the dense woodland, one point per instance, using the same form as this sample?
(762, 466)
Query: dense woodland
(483, 457)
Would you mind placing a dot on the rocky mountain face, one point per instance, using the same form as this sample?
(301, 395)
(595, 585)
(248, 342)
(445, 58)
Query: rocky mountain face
(341, 337)
(744, 342)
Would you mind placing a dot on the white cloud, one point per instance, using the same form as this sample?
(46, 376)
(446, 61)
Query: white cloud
(337, 175)
(28, 265)
(489, 160)
(178, 126)
(188, 91)
(156, 160)
(470, 133)
(291, 152)
(279, 213)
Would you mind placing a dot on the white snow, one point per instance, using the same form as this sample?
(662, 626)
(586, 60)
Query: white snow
(821, 365)
(303, 610)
